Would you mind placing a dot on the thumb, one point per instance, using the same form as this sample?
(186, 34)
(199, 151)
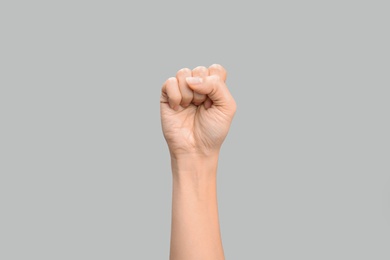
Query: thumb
(214, 87)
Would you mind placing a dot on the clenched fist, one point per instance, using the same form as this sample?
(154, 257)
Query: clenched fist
(196, 111)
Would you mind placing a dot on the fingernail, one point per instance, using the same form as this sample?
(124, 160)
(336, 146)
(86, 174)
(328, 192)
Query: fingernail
(194, 80)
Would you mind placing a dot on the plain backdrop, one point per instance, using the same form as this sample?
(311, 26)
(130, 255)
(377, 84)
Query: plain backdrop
(85, 171)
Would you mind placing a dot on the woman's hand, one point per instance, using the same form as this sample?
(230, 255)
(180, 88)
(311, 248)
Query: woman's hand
(196, 111)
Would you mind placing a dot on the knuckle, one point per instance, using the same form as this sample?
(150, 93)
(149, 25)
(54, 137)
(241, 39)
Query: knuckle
(170, 81)
(183, 72)
(200, 68)
(218, 67)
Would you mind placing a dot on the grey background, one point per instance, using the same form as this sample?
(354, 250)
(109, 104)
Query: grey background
(84, 170)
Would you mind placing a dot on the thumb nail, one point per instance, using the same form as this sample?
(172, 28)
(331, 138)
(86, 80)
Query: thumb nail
(193, 80)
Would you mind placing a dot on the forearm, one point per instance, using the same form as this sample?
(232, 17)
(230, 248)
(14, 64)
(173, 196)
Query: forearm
(195, 230)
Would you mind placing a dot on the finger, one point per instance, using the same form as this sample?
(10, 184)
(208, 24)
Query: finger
(218, 70)
(171, 90)
(208, 103)
(215, 89)
(187, 94)
(201, 72)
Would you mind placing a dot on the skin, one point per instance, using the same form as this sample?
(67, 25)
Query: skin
(196, 113)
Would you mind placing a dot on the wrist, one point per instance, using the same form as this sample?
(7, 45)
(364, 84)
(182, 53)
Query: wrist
(195, 177)
(194, 167)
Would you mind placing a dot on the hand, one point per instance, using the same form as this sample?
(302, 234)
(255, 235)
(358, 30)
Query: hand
(196, 111)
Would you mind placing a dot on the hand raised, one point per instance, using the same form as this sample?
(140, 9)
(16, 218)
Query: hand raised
(196, 111)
